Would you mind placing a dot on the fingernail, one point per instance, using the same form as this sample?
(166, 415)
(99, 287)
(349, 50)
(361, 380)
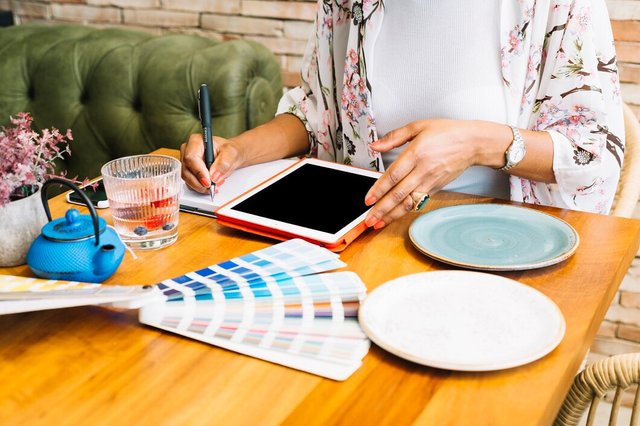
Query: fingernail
(205, 182)
(370, 221)
(370, 200)
(379, 225)
(216, 175)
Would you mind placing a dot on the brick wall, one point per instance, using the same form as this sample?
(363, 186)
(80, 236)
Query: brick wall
(283, 26)
(625, 21)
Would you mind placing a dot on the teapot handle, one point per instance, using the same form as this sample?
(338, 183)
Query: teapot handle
(76, 189)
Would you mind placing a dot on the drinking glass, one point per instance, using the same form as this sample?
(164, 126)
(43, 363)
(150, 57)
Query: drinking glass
(143, 193)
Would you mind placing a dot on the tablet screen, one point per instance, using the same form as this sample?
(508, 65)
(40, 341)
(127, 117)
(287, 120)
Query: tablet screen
(312, 196)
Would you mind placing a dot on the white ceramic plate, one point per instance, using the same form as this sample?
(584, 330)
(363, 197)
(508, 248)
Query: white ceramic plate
(462, 320)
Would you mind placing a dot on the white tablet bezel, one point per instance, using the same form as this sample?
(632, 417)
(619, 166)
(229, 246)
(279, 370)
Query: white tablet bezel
(282, 227)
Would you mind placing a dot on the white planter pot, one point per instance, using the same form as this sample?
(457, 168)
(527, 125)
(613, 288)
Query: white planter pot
(20, 223)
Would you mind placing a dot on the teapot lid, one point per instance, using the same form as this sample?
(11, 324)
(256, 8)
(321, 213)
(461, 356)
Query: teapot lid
(73, 226)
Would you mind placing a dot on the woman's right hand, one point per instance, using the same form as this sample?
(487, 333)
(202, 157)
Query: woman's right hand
(284, 136)
(228, 157)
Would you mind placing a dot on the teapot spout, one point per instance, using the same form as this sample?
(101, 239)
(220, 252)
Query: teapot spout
(104, 261)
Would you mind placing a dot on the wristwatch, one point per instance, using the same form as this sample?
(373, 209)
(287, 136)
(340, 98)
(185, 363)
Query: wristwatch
(516, 151)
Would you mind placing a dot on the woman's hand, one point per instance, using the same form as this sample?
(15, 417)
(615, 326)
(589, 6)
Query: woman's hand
(228, 157)
(438, 152)
(282, 137)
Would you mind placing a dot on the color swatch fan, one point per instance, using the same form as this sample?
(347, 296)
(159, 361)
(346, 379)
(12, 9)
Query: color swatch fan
(274, 304)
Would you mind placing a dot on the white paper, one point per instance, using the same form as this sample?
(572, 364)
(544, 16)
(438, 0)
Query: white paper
(236, 184)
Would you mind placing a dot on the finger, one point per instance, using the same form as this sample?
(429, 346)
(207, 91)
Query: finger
(189, 178)
(226, 161)
(395, 138)
(397, 212)
(399, 195)
(398, 171)
(192, 154)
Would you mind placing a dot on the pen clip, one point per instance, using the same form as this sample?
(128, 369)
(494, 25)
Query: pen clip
(199, 107)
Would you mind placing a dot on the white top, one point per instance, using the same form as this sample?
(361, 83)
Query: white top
(429, 48)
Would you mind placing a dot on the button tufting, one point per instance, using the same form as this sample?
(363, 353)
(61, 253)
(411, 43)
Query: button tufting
(84, 97)
(137, 105)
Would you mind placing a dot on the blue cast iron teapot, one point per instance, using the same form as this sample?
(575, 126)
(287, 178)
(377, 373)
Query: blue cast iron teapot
(75, 247)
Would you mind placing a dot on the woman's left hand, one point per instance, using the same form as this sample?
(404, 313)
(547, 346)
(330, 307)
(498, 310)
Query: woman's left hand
(438, 152)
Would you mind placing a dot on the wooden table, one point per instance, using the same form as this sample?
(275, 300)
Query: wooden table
(97, 366)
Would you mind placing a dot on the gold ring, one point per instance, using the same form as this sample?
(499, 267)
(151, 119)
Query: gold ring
(419, 200)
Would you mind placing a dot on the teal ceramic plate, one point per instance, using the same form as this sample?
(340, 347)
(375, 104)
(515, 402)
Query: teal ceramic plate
(493, 237)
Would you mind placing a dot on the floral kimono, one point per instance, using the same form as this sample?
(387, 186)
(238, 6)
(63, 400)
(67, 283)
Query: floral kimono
(559, 72)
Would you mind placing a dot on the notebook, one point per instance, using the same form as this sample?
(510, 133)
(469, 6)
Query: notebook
(280, 304)
(236, 184)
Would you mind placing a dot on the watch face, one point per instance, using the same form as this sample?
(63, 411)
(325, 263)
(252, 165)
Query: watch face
(516, 153)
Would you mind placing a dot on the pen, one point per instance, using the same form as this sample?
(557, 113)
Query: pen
(204, 109)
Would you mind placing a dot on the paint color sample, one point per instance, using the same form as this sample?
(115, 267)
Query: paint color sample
(23, 294)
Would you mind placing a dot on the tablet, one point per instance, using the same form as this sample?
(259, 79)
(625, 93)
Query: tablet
(316, 200)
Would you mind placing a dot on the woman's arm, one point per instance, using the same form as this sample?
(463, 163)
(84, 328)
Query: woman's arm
(491, 140)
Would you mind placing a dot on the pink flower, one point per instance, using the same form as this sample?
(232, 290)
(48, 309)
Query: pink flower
(583, 19)
(304, 107)
(543, 119)
(514, 39)
(353, 56)
(575, 119)
(343, 101)
(571, 133)
(579, 108)
(327, 23)
(27, 159)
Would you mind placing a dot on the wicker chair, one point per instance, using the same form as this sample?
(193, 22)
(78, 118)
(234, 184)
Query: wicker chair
(620, 371)
(590, 385)
(629, 186)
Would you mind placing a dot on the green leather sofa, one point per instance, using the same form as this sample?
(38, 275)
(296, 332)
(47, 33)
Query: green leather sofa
(125, 92)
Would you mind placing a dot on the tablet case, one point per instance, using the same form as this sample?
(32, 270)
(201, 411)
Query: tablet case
(336, 246)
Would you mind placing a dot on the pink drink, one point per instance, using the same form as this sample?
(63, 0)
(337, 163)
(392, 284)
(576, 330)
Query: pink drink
(143, 194)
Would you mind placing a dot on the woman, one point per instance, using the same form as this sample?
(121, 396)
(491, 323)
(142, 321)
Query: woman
(513, 99)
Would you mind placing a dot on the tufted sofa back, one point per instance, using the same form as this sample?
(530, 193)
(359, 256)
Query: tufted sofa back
(124, 92)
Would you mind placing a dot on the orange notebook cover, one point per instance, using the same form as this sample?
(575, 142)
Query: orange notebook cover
(315, 200)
